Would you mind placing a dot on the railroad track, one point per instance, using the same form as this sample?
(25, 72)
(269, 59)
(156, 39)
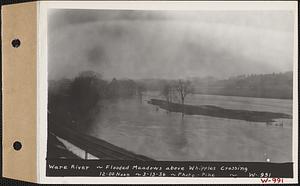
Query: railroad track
(97, 147)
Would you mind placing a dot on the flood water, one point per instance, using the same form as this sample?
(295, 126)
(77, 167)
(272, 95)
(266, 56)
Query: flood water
(145, 129)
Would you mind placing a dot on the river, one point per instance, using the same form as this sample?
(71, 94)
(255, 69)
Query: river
(145, 129)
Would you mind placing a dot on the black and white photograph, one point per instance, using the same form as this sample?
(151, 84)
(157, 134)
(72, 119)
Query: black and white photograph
(170, 85)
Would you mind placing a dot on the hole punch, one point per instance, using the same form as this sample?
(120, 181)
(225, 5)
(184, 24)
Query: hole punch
(17, 145)
(16, 43)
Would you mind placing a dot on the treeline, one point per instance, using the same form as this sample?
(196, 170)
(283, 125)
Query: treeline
(275, 85)
(74, 102)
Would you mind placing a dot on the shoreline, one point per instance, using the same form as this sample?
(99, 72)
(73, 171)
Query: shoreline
(212, 94)
(215, 111)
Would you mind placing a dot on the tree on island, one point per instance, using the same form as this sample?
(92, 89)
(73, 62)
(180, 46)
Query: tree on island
(183, 88)
(166, 92)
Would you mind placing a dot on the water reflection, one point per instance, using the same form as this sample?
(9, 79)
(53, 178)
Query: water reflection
(174, 134)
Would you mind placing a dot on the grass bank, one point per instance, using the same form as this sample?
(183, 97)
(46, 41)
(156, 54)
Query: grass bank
(214, 111)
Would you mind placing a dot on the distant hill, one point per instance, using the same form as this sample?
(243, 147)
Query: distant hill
(275, 85)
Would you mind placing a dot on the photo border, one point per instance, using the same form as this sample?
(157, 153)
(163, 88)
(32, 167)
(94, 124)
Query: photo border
(42, 85)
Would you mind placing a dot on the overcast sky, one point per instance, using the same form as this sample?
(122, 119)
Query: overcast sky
(169, 44)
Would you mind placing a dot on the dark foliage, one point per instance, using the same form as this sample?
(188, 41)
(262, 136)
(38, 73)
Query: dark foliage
(72, 107)
(74, 102)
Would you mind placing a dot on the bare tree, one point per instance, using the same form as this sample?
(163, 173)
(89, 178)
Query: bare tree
(184, 88)
(139, 91)
(166, 92)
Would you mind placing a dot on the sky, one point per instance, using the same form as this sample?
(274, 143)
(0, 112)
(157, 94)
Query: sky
(139, 44)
